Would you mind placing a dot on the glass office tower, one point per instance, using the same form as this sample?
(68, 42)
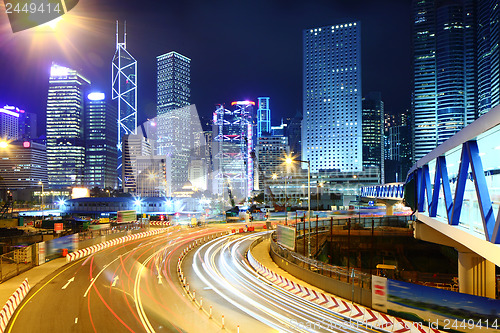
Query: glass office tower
(331, 132)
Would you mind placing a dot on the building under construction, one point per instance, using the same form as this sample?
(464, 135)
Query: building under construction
(232, 147)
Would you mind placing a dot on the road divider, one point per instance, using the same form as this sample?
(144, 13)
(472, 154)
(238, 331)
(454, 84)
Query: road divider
(12, 304)
(183, 281)
(101, 246)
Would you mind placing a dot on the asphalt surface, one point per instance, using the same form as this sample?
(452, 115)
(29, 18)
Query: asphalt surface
(135, 287)
(221, 274)
(128, 288)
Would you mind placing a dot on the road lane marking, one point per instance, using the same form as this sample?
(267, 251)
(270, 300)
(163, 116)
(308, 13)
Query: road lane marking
(114, 281)
(95, 279)
(29, 299)
(67, 284)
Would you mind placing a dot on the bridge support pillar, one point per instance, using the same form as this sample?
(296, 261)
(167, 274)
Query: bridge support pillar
(476, 275)
(389, 209)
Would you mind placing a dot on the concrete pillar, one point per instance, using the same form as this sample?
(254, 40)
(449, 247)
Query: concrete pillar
(476, 275)
(389, 209)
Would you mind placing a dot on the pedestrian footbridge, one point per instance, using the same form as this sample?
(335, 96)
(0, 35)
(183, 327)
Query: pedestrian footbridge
(455, 193)
(388, 194)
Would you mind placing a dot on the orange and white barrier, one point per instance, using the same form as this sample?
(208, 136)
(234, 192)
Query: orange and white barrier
(357, 313)
(12, 304)
(101, 246)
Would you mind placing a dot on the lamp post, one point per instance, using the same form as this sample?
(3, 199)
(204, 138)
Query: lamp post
(317, 195)
(43, 215)
(359, 198)
(286, 200)
(290, 161)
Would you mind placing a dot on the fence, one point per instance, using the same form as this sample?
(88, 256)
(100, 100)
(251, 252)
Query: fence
(20, 260)
(17, 261)
(356, 222)
(360, 279)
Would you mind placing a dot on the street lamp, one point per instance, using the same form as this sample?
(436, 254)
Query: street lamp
(43, 215)
(289, 161)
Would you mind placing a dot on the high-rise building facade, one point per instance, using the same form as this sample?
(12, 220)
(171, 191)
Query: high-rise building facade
(397, 147)
(9, 122)
(65, 109)
(23, 164)
(124, 91)
(373, 132)
(100, 142)
(270, 152)
(293, 132)
(263, 117)
(232, 147)
(331, 131)
(175, 115)
(135, 146)
(173, 78)
(455, 67)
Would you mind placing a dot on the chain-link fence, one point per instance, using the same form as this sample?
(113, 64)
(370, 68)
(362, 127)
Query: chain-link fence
(17, 261)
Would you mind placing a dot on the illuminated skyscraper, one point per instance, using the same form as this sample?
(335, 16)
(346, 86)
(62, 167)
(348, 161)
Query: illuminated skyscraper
(488, 66)
(65, 146)
(173, 82)
(175, 115)
(124, 88)
(100, 142)
(373, 133)
(331, 131)
(232, 147)
(9, 122)
(455, 67)
(263, 117)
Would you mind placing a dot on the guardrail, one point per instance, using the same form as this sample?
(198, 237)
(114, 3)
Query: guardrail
(361, 279)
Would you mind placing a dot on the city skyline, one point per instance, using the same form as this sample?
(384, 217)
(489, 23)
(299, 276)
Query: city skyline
(217, 52)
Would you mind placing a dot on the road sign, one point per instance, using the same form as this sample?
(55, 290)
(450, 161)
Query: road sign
(58, 227)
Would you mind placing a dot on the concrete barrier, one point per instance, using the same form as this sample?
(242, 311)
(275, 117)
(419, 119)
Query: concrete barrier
(358, 314)
(95, 248)
(12, 303)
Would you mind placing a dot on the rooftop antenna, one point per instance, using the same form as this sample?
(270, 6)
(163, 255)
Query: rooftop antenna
(117, 33)
(125, 34)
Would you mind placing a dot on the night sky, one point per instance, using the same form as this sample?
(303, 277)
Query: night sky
(238, 49)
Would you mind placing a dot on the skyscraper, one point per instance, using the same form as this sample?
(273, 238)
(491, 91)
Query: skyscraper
(175, 115)
(373, 133)
(488, 66)
(232, 148)
(9, 122)
(100, 142)
(124, 88)
(263, 117)
(173, 82)
(293, 132)
(455, 67)
(331, 132)
(65, 146)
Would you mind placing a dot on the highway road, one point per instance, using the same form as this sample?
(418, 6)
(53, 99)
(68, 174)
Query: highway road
(220, 267)
(132, 287)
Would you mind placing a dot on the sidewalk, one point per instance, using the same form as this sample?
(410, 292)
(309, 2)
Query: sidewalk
(34, 275)
(356, 313)
(261, 254)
